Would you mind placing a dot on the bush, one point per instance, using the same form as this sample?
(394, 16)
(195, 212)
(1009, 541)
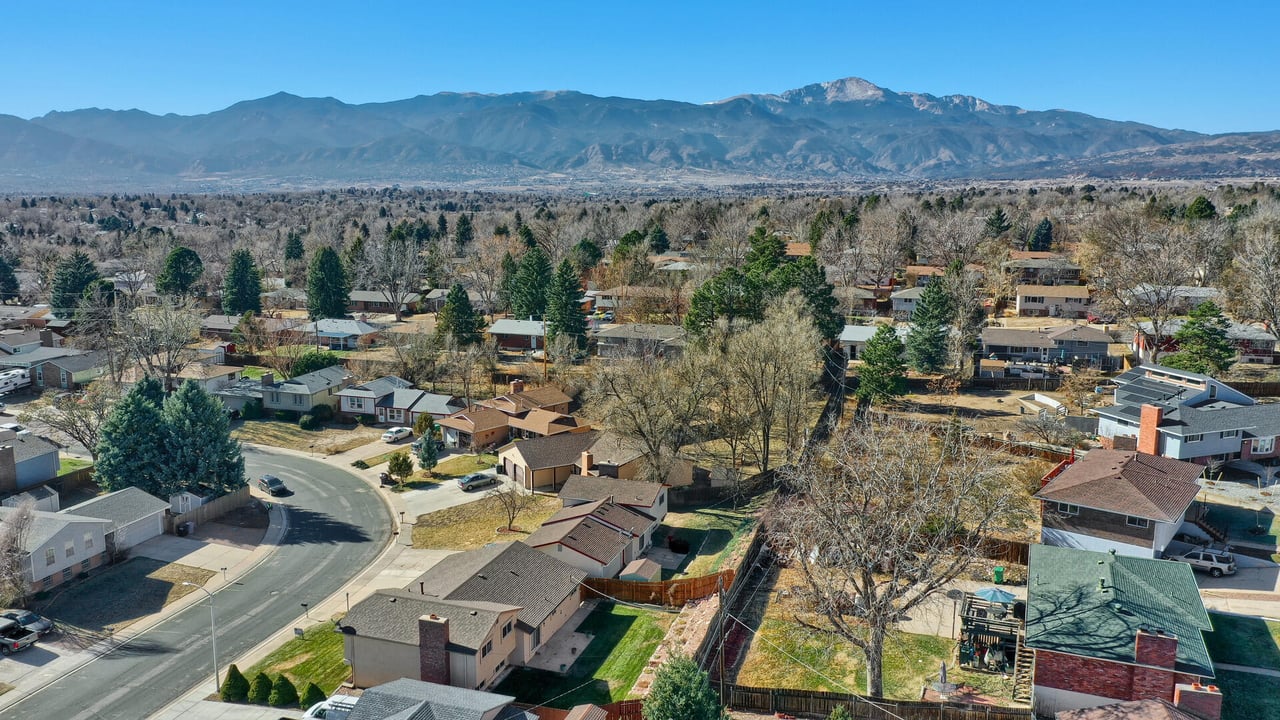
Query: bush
(252, 410)
(310, 422)
(367, 420)
(322, 412)
(311, 695)
(286, 416)
(260, 689)
(360, 464)
(235, 688)
(313, 360)
(840, 713)
(283, 693)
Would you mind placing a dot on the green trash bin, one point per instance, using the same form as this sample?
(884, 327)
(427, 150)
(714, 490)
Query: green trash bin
(997, 574)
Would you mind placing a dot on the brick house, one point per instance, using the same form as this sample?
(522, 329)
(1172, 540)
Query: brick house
(1106, 627)
(1119, 500)
(511, 334)
(1254, 344)
(1066, 344)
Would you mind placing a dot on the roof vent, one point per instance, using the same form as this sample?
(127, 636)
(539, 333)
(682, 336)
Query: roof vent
(472, 613)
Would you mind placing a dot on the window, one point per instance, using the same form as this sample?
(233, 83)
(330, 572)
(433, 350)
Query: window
(506, 629)
(1263, 446)
(50, 556)
(1194, 438)
(1068, 509)
(297, 399)
(40, 375)
(275, 398)
(488, 648)
(1082, 343)
(71, 548)
(88, 541)
(1038, 299)
(1137, 522)
(1230, 433)
(356, 403)
(66, 575)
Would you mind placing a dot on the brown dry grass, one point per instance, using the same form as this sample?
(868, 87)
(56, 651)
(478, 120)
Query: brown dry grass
(329, 441)
(119, 596)
(474, 525)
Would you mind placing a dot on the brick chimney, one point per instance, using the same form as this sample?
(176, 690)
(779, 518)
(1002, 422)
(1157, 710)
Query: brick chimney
(586, 461)
(433, 653)
(1149, 429)
(268, 379)
(517, 386)
(46, 338)
(1202, 700)
(1155, 648)
(8, 464)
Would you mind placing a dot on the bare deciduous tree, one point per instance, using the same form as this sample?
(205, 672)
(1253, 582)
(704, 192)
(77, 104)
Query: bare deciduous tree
(1256, 286)
(15, 526)
(1048, 429)
(77, 419)
(513, 501)
(393, 266)
(159, 337)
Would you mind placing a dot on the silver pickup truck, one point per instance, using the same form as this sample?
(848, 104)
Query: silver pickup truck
(14, 637)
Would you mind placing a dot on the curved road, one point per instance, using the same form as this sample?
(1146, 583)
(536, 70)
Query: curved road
(337, 527)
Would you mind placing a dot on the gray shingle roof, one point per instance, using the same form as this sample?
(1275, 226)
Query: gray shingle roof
(436, 404)
(511, 573)
(393, 615)
(623, 492)
(120, 507)
(45, 525)
(339, 327)
(1254, 420)
(418, 700)
(381, 387)
(556, 450)
(37, 356)
(28, 445)
(643, 331)
(77, 363)
(585, 535)
(313, 382)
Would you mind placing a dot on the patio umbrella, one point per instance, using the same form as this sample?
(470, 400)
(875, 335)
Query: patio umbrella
(943, 687)
(996, 595)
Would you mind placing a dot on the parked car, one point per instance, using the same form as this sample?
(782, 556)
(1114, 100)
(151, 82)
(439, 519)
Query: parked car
(19, 429)
(1216, 562)
(416, 445)
(336, 707)
(38, 624)
(14, 637)
(476, 480)
(272, 485)
(396, 434)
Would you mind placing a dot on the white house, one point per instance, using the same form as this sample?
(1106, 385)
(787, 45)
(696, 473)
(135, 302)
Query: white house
(1070, 301)
(60, 545)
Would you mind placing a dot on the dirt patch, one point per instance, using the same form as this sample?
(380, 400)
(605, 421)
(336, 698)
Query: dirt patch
(331, 440)
(119, 596)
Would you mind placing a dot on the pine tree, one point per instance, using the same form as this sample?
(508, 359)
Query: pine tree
(283, 692)
(998, 223)
(457, 318)
(328, 286)
(9, 287)
(927, 340)
(428, 450)
(1203, 346)
(311, 695)
(132, 442)
(201, 452)
(75, 273)
(507, 285)
(235, 688)
(681, 690)
(313, 360)
(260, 689)
(242, 286)
(293, 247)
(529, 291)
(1200, 209)
(658, 240)
(182, 268)
(586, 254)
(882, 376)
(730, 294)
(463, 231)
(1042, 237)
(807, 276)
(767, 253)
(564, 307)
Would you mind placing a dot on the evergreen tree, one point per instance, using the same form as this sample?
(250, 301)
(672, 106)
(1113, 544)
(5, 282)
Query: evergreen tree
(767, 253)
(131, 449)
(681, 690)
(1200, 209)
(507, 285)
(458, 319)
(564, 307)
(1203, 346)
(428, 450)
(283, 692)
(353, 255)
(9, 287)
(927, 340)
(526, 236)
(1042, 237)
(586, 254)
(442, 227)
(730, 294)
(998, 223)
(328, 286)
(75, 273)
(658, 240)
(463, 232)
(182, 268)
(882, 376)
(807, 276)
(200, 450)
(294, 250)
(529, 293)
(260, 689)
(311, 695)
(313, 360)
(235, 687)
(242, 286)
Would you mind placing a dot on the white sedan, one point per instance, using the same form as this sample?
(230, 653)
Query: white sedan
(396, 434)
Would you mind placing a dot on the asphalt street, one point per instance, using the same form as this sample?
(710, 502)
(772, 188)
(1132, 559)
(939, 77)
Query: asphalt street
(337, 527)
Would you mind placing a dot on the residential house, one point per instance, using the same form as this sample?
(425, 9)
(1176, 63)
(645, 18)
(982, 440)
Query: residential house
(20, 316)
(545, 463)
(585, 543)
(224, 327)
(284, 299)
(545, 589)
(547, 397)
(855, 300)
(1190, 703)
(210, 376)
(396, 634)
(363, 398)
(1106, 627)
(475, 427)
(640, 340)
(1176, 299)
(375, 301)
(134, 516)
(1065, 345)
(408, 699)
(339, 333)
(904, 301)
(1055, 270)
(1187, 416)
(511, 334)
(1069, 301)
(243, 391)
(1253, 344)
(26, 459)
(41, 497)
(623, 519)
(1117, 500)
(434, 404)
(58, 546)
(853, 339)
(541, 423)
(304, 392)
(633, 301)
(72, 372)
(15, 342)
(30, 361)
(917, 276)
(646, 498)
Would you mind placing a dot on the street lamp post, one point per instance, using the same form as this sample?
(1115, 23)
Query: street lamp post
(213, 636)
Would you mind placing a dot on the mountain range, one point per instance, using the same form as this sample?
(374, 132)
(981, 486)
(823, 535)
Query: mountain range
(846, 130)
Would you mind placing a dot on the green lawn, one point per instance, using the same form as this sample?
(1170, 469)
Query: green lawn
(1244, 641)
(316, 657)
(255, 372)
(713, 533)
(623, 640)
(1240, 523)
(70, 464)
(1247, 696)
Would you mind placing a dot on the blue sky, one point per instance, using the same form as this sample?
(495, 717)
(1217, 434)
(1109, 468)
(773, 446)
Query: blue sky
(1199, 66)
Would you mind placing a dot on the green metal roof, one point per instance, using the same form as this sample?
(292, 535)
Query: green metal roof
(1092, 604)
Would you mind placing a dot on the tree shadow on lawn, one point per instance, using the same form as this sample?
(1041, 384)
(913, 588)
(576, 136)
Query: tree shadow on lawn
(310, 527)
(110, 599)
(542, 687)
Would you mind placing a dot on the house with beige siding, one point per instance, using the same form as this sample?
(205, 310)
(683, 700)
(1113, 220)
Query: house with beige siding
(59, 546)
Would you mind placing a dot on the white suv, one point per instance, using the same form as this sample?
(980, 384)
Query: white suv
(1216, 562)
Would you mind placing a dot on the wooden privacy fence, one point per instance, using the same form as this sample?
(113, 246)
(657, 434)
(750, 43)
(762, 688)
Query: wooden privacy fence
(673, 593)
(211, 510)
(821, 704)
(621, 710)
